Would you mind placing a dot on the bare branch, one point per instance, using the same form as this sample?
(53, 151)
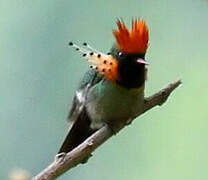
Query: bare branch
(76, 156)
(71, 159)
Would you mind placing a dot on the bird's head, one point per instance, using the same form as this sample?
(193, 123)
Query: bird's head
(125, 64)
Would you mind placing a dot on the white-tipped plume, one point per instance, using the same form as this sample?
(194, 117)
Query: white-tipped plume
(89, 53)
(104, 64)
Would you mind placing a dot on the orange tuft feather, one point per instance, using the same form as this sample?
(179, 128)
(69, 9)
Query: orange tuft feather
(132, 41)
(109, 69)
(105, 65)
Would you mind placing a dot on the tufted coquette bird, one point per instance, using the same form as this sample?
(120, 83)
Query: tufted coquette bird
(112, 91)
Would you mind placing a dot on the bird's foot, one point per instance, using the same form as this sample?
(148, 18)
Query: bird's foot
(59, 157)
(85, 160)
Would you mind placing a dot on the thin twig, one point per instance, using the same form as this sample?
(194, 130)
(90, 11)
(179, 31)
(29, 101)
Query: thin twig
(76, 156)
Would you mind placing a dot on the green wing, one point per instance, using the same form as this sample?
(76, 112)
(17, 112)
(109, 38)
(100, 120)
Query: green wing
(90, 78)
(79, 121)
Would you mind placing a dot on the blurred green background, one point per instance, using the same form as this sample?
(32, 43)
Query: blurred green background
(39, 74)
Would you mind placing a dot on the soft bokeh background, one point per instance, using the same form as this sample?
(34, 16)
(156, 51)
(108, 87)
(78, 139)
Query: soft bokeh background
(39, 75)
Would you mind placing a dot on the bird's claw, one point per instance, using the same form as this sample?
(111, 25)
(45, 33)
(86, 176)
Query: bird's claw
(60, 156)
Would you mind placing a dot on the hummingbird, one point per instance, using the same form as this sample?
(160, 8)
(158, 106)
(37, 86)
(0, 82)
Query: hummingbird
(112, 90)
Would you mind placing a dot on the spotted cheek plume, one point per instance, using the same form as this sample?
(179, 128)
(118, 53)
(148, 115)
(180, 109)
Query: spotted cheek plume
(104, 64)
(133, 41)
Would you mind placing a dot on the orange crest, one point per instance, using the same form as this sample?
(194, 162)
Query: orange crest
(133, 41)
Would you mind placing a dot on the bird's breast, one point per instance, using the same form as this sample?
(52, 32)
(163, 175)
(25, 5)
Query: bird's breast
(110, 103)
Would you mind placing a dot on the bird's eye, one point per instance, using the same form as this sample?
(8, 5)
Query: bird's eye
(120, 54)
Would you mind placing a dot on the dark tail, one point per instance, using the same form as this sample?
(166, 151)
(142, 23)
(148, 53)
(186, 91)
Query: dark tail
(79, 132)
